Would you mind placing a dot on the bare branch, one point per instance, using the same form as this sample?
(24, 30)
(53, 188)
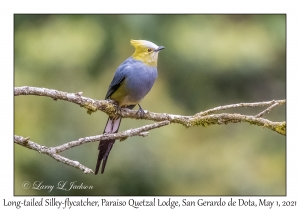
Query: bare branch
(90, 104)
(49, 151)
(121, 135)
(53, 151)
(202, 118)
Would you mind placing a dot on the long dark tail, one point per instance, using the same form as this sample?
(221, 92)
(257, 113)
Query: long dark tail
(112, 126)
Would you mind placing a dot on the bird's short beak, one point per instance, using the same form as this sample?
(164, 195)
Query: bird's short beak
(159, 48)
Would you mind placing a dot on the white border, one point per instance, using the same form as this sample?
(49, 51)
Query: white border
(8, 8)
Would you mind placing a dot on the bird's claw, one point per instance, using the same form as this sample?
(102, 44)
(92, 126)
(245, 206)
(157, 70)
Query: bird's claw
(141, 113)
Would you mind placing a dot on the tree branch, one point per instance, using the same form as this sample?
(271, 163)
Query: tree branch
(53, 151)
(49, 151)
(204, 118)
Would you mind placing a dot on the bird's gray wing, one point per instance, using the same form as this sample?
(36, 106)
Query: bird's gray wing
(120, 75)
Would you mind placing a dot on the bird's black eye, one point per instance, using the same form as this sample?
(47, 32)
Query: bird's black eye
(149, 50)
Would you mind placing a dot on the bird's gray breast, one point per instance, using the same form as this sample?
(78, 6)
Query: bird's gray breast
(139, 81)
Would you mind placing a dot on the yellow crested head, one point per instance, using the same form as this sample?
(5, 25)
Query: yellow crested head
(146, 51)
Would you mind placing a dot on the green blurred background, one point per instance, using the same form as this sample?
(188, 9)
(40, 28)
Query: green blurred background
(209, 60)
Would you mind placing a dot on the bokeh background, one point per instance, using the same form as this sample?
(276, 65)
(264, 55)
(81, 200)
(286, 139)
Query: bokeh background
(209, 60)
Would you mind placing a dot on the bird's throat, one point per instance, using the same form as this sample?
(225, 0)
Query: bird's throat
(149, 60)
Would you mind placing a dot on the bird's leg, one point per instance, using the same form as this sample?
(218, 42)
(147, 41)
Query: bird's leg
(119, 109)
(140, 112)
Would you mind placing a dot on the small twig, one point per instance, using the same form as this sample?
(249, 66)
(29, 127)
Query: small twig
(244, 105)
(267, 110)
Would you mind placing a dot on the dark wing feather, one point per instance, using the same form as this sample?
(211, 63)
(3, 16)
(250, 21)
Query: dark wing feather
(120, 75)
(114, 86)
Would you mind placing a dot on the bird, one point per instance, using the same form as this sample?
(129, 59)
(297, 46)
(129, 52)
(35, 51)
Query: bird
(132, 81)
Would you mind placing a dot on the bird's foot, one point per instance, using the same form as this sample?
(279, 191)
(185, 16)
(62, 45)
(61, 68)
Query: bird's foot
(141, 113)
